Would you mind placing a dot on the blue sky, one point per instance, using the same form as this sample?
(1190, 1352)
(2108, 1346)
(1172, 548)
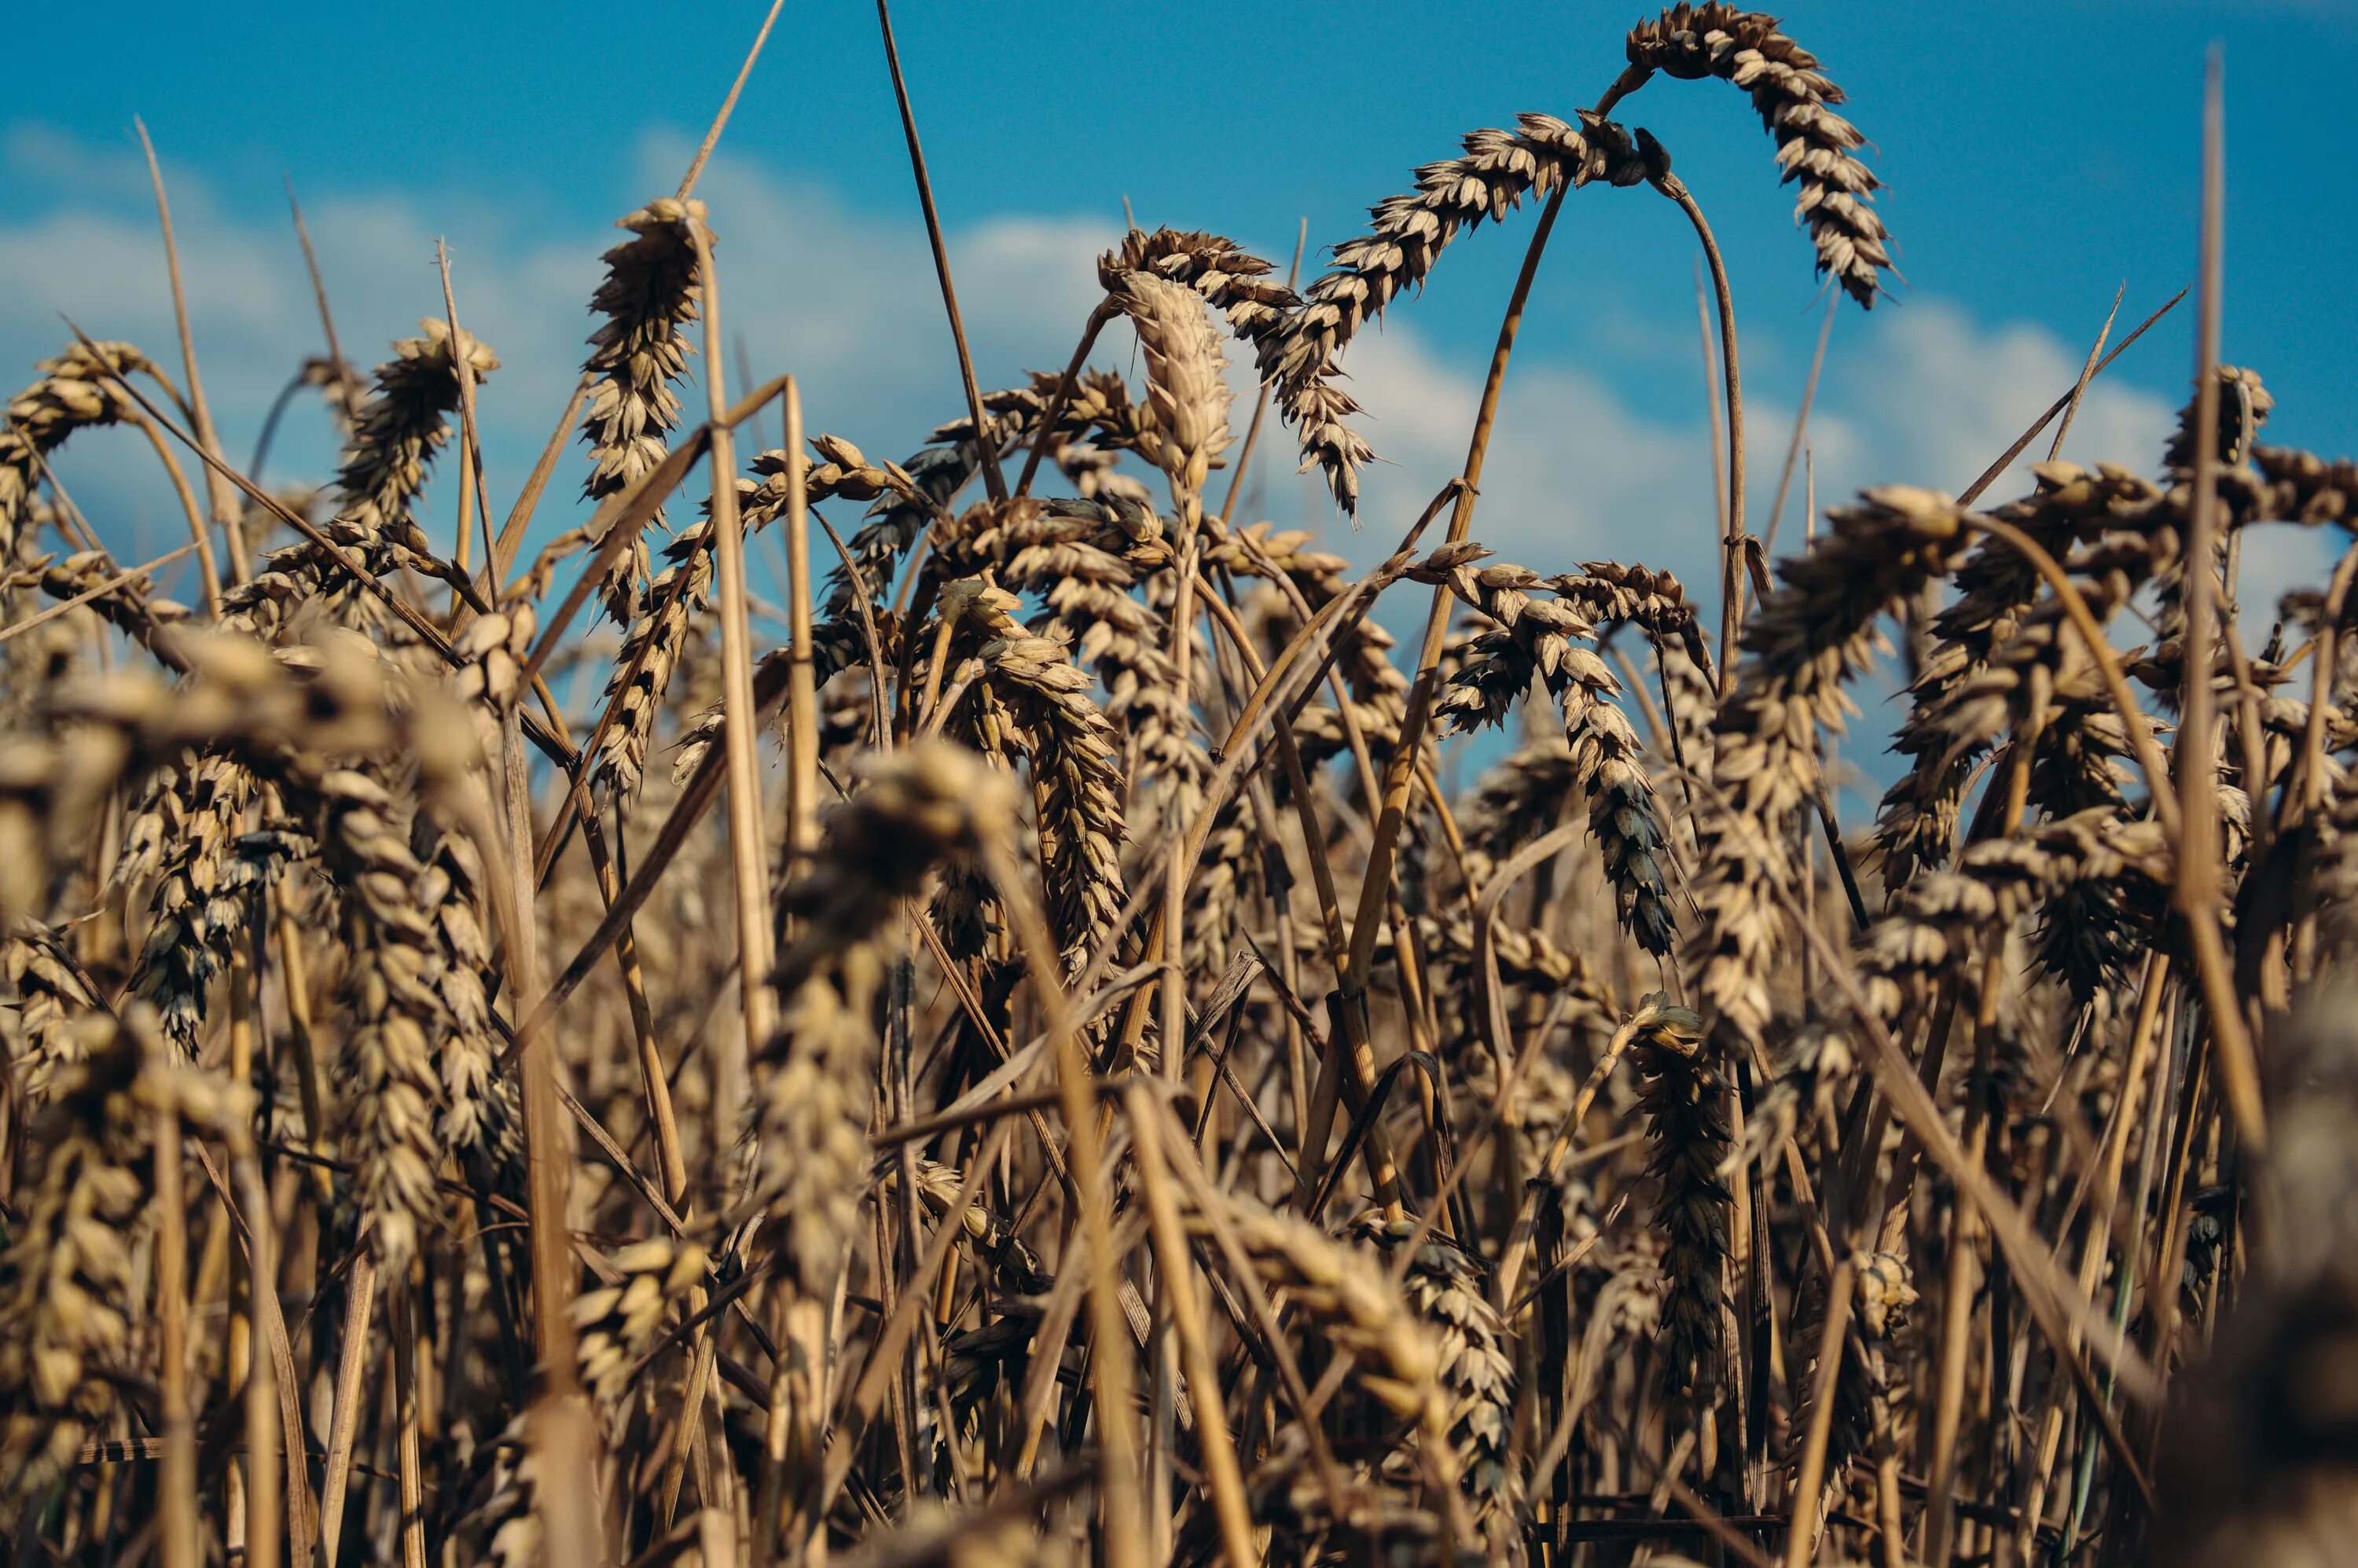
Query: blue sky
(2037, 156)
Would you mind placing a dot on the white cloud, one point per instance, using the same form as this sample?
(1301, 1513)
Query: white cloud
(847, 299)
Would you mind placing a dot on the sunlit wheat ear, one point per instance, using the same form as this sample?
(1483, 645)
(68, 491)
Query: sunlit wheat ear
(1234, 282)
(920, 806)
(1815, 145)
(394, 439)
(1301, 365)
(194, 910)
(1077, 779)
(1186, 387)
(481, 1121)
(76, 391)
(1685, 1101)
(646, 301)
(1808, 638)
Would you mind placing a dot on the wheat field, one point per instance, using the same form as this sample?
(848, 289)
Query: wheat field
(1036, 1066)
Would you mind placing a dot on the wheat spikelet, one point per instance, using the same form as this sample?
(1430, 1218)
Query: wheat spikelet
(76, 391)
(648, 299)
(1815, 146)
(90, 576)
(1406, 238)
(1076, 774)
(394, 438)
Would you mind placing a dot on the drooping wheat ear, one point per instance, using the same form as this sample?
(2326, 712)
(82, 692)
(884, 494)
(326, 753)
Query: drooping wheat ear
(128, 605)
(76, 391)
(387, 1089)
(616, 1322)
(45, 990)
(921, 806)
(1690, 704)
(187, 832)
(1544, 638)
(68, 1286)
(1077, 780)
(1232, 281)
(1444, 1287)
(992, 1241)
(2092, 934)
(1684, 1098)
(1187, 391)
(1408, 234)
(648, 299)
(1356, 1308)
(1815, 632)
(394, 441)
(1792, 96)
(1941, 920)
